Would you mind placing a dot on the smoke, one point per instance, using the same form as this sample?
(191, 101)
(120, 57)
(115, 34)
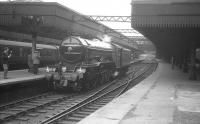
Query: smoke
(105, 38)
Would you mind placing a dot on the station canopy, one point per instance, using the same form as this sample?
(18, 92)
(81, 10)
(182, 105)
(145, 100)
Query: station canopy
(50, 20)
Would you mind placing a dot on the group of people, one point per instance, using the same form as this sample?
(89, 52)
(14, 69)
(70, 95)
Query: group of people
(33, 61)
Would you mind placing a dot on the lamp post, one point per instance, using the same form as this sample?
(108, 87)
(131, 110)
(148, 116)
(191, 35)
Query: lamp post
(33, 24)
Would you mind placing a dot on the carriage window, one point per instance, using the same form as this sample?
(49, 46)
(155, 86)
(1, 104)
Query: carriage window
(25, 51)
(45, 52)
(49, 52)
(15, 51)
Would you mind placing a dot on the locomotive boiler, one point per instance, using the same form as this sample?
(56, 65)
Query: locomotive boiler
(86, 63)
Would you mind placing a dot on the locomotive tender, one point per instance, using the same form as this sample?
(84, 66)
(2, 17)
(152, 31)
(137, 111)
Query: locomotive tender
(86, 63)
(20, 52)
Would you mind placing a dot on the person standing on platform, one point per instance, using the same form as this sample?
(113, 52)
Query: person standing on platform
(30, 62)
(5, 56)
(36, 62)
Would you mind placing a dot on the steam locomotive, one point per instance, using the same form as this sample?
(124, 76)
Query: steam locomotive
(20, 52)
(85, 63)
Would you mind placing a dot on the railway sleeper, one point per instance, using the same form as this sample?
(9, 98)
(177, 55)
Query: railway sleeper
(33, 104)
(53, 98)
(77, 101)
(49, 108)
(72, 104)
(83, 113)
(105, 101)
(41, 111)
(64, 109)
(87, 110)
(63, 103)
(108, 98)
(79, 115)
(69, 100)
(32, 114)
(18, 109)
(72, 118)
(22, 118)
(38, 101)
(67, 122)
(9, 112)
(4, 117)
(98, 105)
(92, 107)
(68, 106)
(25, 106)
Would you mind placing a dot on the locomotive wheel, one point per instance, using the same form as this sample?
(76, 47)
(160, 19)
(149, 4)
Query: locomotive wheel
(107, 77)
(55, 85)
(95, 82)
(102, 80)
(111, 76)
(98, 81)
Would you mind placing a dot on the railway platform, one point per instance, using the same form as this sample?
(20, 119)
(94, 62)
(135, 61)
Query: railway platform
(19, 76)
(165, 97)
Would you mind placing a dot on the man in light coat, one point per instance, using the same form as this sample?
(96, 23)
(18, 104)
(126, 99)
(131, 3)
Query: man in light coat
(36, 62)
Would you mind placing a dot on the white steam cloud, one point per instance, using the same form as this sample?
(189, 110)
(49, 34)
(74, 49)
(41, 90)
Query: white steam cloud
(105, 38)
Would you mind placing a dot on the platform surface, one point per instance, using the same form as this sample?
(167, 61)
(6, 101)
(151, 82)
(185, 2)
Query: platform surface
(165, 97)
(18, 76)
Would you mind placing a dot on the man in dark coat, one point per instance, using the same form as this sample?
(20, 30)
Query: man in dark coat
(5, 56)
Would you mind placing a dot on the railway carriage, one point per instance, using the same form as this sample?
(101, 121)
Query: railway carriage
(20, 52)
(86, 63)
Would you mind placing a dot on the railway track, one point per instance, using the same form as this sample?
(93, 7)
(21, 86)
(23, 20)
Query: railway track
(18, 108)
(88, 106)
(47, 108)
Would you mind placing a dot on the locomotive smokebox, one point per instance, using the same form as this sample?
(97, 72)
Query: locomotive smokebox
(72, 50)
